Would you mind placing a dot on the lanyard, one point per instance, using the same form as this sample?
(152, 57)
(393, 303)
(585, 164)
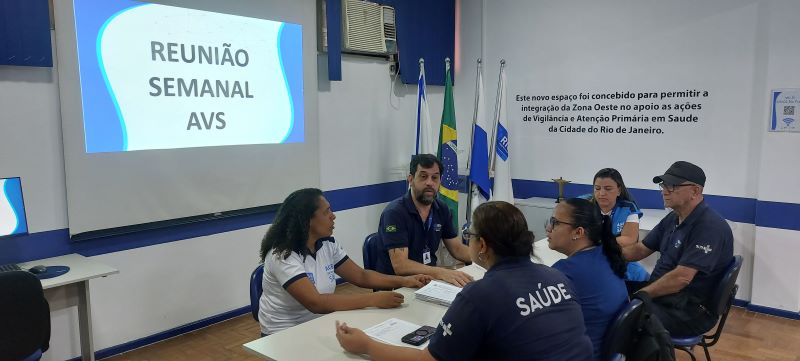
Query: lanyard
(428, 228)
(429, 221)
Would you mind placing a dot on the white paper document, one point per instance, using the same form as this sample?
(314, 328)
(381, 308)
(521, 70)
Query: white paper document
(438, 292)
(392, 331)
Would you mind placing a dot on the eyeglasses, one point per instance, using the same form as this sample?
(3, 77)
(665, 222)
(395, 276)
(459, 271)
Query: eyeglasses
(467, 234)
(671, 188)
(553, 222)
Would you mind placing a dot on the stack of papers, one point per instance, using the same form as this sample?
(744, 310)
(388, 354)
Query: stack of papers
(438, 292)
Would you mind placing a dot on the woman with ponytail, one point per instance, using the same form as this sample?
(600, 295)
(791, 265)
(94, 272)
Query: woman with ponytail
(594, 263)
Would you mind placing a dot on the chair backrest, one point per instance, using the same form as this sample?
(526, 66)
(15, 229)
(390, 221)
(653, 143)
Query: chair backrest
(617, 357)
(371, 251)
(25, 315)
(256, 289)
(721, 298)
(618, 336)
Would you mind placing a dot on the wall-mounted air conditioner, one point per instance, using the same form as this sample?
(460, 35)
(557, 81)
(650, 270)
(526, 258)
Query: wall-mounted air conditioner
(368, 28)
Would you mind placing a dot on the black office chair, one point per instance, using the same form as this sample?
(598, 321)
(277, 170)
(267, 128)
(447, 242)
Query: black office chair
(618, 338)
(25, 315)
(256, 289)
(371, 251)
(720, 305)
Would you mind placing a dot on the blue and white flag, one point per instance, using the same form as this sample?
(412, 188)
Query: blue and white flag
(501, 162)
(480, 191)
(426, 142)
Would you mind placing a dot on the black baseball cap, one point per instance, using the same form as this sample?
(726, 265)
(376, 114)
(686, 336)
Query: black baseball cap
(682, 171)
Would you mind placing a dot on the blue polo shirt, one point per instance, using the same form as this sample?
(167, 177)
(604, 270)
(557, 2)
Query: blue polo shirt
(401, 226)
(518, 311)
(703, 241)
(599, 290)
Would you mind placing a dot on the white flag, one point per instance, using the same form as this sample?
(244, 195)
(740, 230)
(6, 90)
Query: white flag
(426, 142)
(479, 152)
(501, 162)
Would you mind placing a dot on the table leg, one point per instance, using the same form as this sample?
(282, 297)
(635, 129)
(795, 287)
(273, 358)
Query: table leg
(85, 321)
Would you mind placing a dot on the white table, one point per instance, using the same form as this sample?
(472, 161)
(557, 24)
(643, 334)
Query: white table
(316, 339)
(72, 289)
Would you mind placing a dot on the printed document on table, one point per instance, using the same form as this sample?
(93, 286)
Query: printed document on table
(438, 292)
(392, 331)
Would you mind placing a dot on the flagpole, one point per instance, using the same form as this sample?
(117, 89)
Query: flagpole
(492, 140)
(439, 146)
(471, 185)
(474, 115)
(419, 120)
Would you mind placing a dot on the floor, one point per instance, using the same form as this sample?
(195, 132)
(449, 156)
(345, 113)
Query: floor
(747, 336)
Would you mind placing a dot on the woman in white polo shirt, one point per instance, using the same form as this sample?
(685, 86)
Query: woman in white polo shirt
(300, 258)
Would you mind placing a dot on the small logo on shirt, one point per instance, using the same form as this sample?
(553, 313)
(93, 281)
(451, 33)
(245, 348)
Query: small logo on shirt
(446, 328)
(677, 243)
(311, 277)
(331, 276)
(391, 228)
(437, 227)
(706, 249)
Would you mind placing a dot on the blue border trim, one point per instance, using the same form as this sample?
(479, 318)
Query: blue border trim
(101, 65)
(774, 311)
(161, 336)
(12, 192)
(290, 53)
(103, 131)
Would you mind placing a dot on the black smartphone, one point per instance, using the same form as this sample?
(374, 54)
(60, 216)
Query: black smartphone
(419, 336)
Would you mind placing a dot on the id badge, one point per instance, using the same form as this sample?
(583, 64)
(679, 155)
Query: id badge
(426, 257)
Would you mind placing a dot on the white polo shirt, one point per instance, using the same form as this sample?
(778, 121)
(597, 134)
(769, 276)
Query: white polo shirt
(278, 310)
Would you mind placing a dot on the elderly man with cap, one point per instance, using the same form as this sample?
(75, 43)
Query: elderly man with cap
(695, 245)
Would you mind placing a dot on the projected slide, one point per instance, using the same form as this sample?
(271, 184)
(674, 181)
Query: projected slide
(12, 210)
(163, 77)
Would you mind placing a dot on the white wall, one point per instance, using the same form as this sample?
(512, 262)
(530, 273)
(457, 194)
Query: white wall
(776, 282)
(367, 129)
(737, 50)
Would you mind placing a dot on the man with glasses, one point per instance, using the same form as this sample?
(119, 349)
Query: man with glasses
(695, 245)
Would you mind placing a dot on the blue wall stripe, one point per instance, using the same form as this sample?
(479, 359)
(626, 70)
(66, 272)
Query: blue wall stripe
(56, 242)
(778, 215)
(736, 209)
(766, 310)
(161, 336)
(355, 197)
(774, 311)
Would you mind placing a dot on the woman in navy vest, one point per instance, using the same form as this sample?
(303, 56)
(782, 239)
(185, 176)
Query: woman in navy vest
(594, 263)
(518, 311)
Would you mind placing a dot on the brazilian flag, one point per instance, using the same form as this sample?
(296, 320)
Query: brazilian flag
(448, 191)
